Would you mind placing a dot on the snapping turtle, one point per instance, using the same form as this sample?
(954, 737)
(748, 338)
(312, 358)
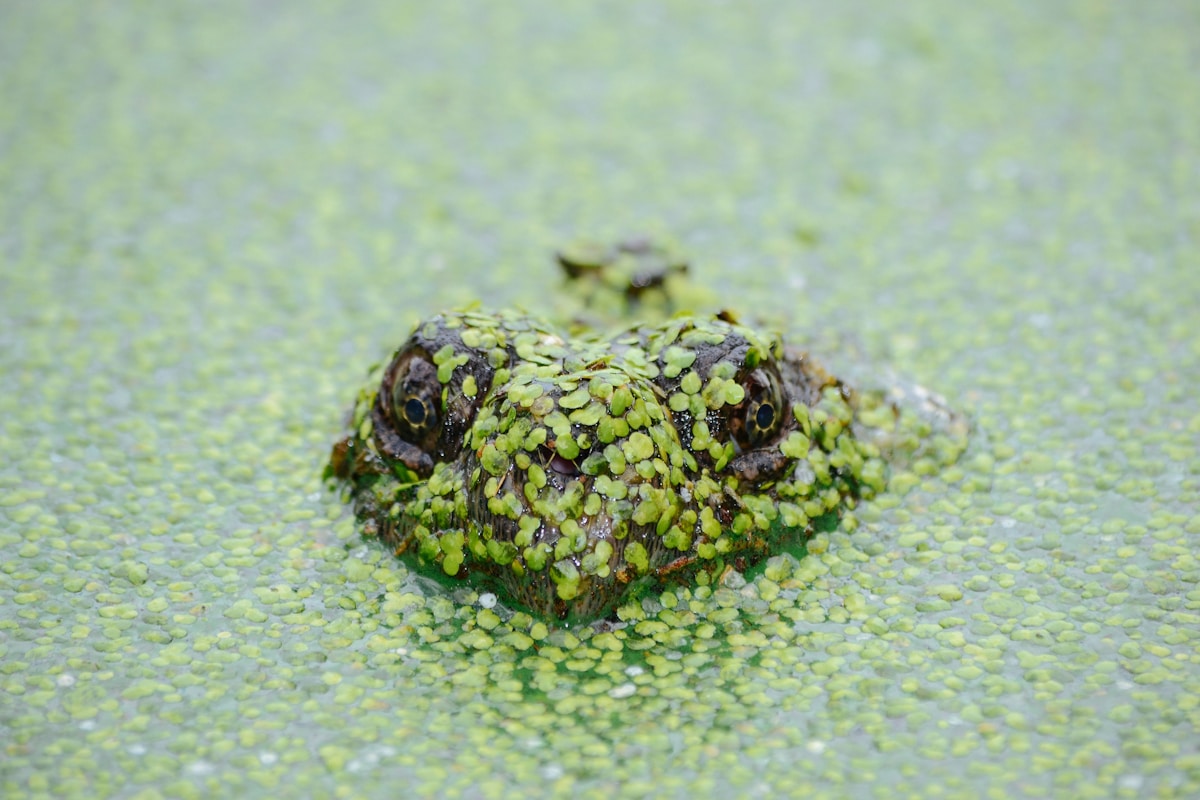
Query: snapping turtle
(568, 470)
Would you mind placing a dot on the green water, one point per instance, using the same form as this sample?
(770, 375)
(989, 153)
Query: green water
(216, 217)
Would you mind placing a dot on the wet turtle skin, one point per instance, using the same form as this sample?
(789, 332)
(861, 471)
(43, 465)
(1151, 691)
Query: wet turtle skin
(569, 473)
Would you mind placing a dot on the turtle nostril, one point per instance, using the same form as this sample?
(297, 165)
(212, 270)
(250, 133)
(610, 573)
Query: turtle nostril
(564, 466)
(559, 465)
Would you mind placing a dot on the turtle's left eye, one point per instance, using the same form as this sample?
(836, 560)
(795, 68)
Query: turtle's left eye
(760, 419)
(761, 416)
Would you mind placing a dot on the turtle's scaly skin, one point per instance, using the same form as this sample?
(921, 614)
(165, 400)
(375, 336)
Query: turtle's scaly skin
(564, 472)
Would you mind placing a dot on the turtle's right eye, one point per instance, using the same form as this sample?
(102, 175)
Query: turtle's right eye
(415, 412)
(416, 399)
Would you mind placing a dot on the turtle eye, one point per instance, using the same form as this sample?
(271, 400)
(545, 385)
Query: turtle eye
(416, 397)
(762, 420)
(416, 412)
(762, 414)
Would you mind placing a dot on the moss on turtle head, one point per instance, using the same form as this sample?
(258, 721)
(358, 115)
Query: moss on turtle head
(569, 471)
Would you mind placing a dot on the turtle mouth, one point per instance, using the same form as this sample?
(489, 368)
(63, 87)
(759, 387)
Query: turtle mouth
(560, 475)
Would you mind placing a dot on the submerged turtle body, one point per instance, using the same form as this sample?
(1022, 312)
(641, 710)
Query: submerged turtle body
(568, 471)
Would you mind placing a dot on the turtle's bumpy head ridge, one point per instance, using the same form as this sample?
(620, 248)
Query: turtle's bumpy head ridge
(569, 472)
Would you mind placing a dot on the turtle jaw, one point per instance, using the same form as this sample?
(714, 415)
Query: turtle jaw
(561, 567)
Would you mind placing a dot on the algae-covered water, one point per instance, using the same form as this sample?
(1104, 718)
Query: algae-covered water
(215, 217)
